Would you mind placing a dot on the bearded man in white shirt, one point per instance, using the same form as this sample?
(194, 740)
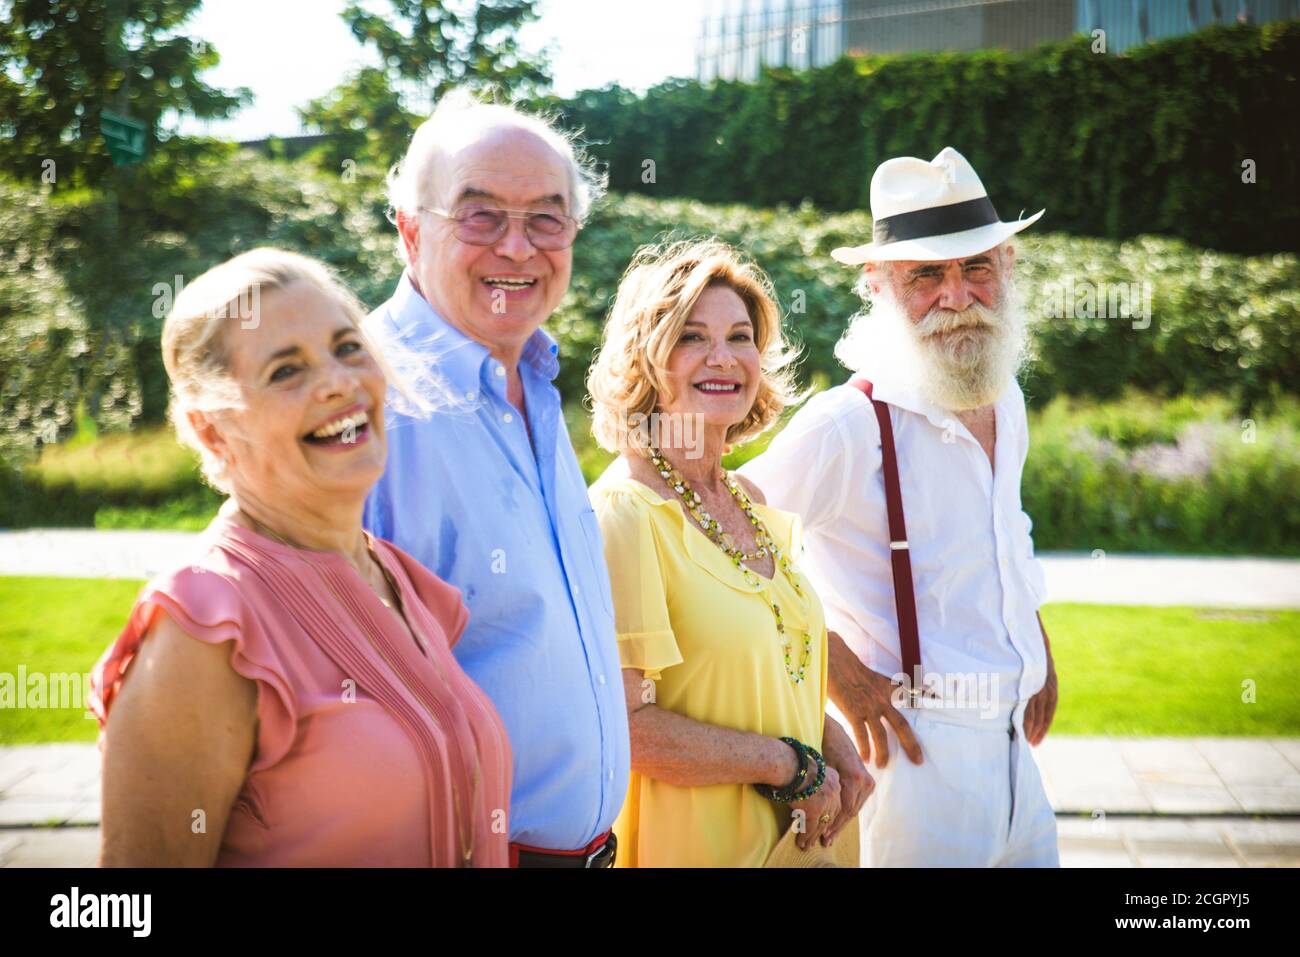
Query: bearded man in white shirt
(955, 595)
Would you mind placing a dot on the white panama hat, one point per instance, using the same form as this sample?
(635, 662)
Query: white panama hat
(930, 211)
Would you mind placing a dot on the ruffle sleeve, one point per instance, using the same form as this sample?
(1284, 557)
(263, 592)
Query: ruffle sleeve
(206, 606)
(645, 635)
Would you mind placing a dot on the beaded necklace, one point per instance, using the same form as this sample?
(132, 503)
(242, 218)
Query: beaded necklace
(763, 546)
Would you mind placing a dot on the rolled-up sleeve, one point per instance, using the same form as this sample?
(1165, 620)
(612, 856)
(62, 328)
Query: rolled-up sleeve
(641, 620)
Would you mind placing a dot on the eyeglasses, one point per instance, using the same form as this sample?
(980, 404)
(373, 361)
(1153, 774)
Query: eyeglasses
(484, 225)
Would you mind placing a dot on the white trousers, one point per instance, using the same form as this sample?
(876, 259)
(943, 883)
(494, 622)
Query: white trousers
(977, 800)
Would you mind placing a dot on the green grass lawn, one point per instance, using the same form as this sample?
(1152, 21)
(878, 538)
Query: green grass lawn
(1123, 670)
(1179, 671)
(57, 625)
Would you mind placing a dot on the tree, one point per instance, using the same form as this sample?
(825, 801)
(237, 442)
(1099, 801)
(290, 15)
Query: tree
(425, 48)
(62, 64)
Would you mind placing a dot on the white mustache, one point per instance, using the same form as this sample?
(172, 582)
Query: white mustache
(975, 316)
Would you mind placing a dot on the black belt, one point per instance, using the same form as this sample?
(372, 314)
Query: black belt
(600, 853)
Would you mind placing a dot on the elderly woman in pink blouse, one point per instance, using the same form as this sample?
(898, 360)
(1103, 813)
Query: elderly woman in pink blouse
(290, 698)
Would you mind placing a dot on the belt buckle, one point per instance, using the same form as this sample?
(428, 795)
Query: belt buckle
(610, 845)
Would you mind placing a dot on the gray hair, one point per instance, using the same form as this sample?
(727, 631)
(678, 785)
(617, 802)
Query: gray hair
(458, 118)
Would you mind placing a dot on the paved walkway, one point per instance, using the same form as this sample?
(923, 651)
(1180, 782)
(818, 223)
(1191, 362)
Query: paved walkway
(1120, 802)
(1096, 579)
(93, 553)
(1134, 802)
(1203, 582)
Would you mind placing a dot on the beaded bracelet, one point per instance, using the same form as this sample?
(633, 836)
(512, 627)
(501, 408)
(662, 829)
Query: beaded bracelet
(801, 772)
(791, 792)
(817, 784)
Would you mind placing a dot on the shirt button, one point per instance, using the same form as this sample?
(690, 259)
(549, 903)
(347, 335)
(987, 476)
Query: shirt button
(507, 417)
(577, 590)
(501, 370)
(471, 395)
(611, 774)
(600, 678)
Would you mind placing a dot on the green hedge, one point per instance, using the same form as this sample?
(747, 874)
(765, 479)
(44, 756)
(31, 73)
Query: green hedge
(1137, 474)
(1151, 141)
(1187, 475)
(84, 275)
(80, 313)
(1219, 322)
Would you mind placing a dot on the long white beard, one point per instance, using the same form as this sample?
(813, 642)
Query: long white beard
(970, 366)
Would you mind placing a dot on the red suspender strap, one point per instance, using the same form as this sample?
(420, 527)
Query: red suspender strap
(904, 592)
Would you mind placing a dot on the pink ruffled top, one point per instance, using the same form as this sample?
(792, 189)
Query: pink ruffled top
(370, 751)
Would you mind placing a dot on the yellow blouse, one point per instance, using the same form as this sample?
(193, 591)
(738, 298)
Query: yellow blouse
(686, 617)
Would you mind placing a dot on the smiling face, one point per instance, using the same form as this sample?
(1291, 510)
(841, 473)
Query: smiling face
(311, 429)
(714, 369)
(497, 294)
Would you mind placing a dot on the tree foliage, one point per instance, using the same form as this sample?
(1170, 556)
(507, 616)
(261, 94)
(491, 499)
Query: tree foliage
(62, 64)
(1186, 137)
(424, 48)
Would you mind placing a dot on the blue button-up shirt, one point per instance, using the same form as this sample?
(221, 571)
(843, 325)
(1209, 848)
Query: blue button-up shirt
(508, 522)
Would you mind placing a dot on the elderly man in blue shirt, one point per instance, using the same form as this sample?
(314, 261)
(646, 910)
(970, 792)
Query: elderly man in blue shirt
(485, 489)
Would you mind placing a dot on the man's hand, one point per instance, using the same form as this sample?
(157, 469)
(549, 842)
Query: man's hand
(865, 699)
(856, 784)
(1042, 706)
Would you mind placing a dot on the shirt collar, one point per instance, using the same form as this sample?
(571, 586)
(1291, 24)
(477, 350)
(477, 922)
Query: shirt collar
(460, 358)
(786, 528)
(894, 390)
(897, 391)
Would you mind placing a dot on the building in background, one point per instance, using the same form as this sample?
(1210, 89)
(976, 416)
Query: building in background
(739, 37)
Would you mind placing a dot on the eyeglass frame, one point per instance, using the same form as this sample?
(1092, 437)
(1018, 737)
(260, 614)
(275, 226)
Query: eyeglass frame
(521, 214)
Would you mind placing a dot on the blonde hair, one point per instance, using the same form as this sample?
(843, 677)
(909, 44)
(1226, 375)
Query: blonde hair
(655, 298)
(194, 346)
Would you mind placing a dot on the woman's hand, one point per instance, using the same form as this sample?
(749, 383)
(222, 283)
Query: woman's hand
(819, 811)
(856, 784)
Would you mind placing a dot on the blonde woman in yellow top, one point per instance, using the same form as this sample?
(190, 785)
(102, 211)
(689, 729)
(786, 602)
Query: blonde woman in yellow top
(722, 640)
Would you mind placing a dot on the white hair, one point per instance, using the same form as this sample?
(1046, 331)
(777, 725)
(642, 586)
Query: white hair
(459, 118)
(853, 350)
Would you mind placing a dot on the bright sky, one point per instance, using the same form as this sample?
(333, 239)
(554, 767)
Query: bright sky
(291, 51)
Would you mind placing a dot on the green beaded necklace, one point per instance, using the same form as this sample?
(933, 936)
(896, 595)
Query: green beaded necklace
(763, 545)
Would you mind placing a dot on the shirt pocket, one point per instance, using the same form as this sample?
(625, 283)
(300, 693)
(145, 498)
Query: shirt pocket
(596, 556)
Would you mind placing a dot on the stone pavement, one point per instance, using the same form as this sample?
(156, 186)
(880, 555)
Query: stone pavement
(1098, 578)
(1120, 802)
